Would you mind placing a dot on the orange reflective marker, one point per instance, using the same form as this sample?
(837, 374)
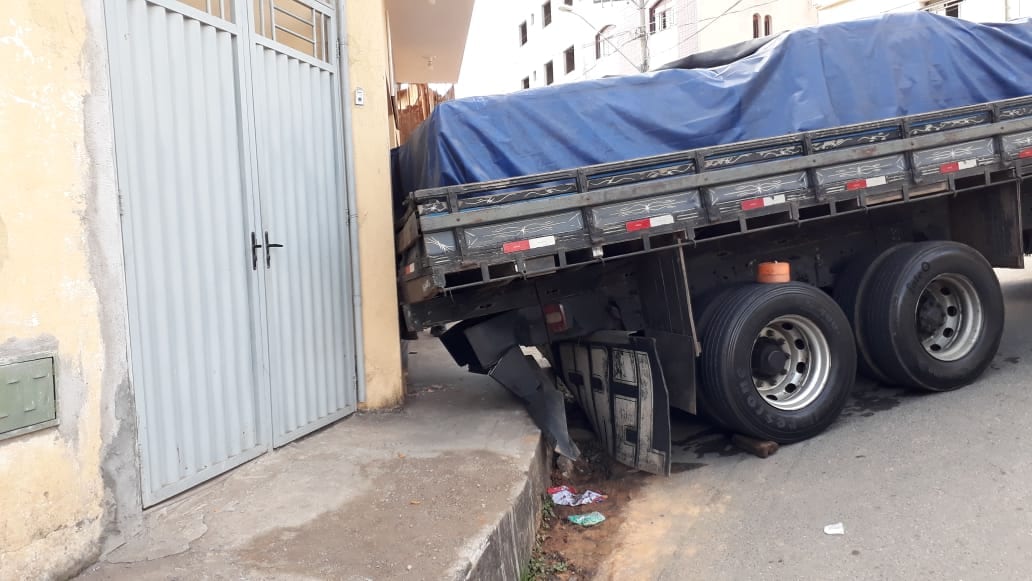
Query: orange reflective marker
(773, 272)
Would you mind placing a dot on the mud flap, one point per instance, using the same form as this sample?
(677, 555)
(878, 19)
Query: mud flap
(618, 382)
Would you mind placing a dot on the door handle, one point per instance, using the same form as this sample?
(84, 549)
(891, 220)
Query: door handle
(254, 250)
(268, 247)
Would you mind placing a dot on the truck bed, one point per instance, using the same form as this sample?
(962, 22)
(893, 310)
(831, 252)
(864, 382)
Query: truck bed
(459, 237)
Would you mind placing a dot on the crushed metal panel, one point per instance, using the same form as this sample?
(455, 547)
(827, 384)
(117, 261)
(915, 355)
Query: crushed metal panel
(618, 382)
(522, 375)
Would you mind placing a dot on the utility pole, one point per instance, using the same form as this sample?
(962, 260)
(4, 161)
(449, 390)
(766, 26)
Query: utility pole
(643, 18)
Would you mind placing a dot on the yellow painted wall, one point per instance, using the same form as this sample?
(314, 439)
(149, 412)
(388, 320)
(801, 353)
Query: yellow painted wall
(54, 508)
(370, 132)
(51, 489)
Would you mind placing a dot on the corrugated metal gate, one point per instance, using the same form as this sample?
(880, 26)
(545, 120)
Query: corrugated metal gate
(229, 145)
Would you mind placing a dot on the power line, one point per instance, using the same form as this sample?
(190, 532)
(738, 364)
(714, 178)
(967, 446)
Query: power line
(711, 23)
(929, 6)
(746, 9)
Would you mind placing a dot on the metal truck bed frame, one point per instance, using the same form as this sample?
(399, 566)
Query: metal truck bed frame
(465, 236)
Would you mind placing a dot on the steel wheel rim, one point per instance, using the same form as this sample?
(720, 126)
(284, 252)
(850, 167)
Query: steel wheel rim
(807, 362)
(949, 317)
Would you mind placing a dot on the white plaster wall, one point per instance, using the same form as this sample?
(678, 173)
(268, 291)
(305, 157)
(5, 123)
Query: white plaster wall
(974, 10)
(737, 24)
(839, 10)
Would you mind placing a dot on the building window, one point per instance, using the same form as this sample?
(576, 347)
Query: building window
(526, 82)
(944, 7)
(523, 33)
(546, 14)
(549, 73)
(571, 61)
(1018, 9)
(659, 17)
(296, 25)
(223, 10)
(604, 42)
(768, 25)
(755, 25)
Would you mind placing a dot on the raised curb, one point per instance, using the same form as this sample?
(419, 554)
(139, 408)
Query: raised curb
(507, 551)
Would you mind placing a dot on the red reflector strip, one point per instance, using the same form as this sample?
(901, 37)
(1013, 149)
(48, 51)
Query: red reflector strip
(555, 318)
(763, 202)
(1025, 153)
(863, 184)
(410, 268)
(647, 223)
(752, 204)
(521, 245)
(956, 166)
(516, 246)
(638, 225)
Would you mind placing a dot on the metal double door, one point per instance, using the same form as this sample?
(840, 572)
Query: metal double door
(228, 127)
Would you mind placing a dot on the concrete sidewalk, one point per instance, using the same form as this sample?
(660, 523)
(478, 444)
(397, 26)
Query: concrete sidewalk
(447, 488)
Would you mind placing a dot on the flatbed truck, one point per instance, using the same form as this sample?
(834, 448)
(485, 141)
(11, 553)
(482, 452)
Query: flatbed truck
(637, 280)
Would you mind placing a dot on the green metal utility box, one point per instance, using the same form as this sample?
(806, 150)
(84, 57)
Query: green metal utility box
(27, 397)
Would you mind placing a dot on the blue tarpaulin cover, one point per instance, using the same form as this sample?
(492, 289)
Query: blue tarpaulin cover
(811, 78)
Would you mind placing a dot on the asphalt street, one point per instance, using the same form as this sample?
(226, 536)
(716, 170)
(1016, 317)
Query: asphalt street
(927, 486)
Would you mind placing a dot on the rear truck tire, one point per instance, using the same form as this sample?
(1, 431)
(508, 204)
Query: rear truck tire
(778, 361)
(933, 315)
(849, 291)
(706, 306)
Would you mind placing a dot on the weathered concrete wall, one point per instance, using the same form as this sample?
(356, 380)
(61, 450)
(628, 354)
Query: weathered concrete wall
(59, 253)
(368, 62)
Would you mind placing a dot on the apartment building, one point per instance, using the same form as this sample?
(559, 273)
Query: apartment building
(559, 41)
(974, 10)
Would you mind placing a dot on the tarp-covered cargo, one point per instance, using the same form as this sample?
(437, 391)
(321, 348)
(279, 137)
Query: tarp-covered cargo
(812, 78)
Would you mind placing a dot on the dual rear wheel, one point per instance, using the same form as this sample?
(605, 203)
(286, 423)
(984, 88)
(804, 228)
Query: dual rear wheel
(932, 316)
(779, 360)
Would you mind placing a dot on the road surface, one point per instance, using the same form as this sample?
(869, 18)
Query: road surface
(927, 486)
